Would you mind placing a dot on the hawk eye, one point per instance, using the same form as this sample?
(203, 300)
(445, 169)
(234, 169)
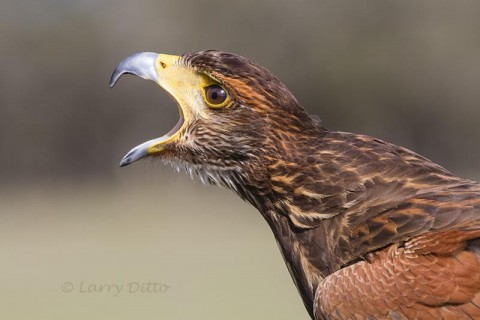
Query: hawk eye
(216, 96)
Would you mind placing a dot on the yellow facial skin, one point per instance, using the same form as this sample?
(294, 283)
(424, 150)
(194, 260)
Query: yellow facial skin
(184, 84)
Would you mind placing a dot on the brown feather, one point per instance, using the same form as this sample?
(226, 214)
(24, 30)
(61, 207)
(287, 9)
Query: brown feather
(368, 230)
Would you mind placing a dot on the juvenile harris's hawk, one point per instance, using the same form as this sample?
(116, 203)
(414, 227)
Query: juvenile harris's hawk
(368, 230)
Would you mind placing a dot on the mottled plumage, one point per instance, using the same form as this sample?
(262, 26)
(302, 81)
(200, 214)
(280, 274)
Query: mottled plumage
(368, 230)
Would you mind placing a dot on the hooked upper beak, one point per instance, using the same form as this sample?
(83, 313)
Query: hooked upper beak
(141, 64)
(144, 65)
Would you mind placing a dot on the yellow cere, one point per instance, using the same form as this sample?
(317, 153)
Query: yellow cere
(186, 86)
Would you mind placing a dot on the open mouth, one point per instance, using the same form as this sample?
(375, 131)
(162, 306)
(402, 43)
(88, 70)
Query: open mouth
(144, 65)
(178, 125)
(151, 146)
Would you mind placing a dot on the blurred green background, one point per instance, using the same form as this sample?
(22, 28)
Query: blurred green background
(404, 71)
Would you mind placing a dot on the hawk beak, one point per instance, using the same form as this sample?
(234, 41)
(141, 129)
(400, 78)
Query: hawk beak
(145, 65)
(140, 64)
(141, 151)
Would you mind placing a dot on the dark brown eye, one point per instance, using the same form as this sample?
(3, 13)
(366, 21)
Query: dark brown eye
(215, 95)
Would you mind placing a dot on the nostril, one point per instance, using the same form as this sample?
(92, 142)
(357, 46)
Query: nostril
(163, 64)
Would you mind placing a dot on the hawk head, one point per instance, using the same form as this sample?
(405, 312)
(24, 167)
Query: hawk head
(236, 118)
